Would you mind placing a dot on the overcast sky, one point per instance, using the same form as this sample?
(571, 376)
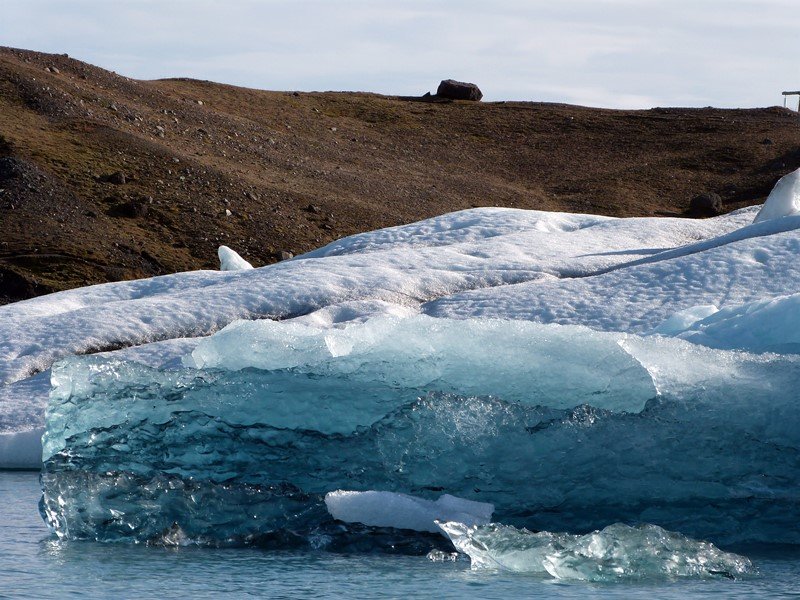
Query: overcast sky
(612, 53)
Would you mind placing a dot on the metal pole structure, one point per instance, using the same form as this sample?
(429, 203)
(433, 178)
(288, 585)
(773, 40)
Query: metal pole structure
(795, 93)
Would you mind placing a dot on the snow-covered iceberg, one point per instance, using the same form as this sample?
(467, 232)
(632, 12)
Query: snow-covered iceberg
(570, 370)
(609, 274)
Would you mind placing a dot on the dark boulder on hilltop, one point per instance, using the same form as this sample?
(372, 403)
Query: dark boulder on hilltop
(458, 90)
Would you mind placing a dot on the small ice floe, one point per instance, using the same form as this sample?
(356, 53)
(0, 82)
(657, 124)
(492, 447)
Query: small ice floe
(401, 511)
(616, 552)
(229, 260)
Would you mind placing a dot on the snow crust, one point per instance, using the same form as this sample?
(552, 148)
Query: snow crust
(525, 246)
(769, 325)
(401, 511)
(640, 297)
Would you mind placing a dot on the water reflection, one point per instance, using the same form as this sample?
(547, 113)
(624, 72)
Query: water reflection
(36, 564)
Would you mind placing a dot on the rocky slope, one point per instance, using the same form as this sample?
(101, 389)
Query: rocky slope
(103, 177)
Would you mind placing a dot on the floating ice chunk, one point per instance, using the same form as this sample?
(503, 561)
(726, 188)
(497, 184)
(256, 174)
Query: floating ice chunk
(229, 260)
(783, 200)
(401, 511)
(616, 552)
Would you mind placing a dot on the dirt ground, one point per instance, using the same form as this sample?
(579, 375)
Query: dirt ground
(104, 178)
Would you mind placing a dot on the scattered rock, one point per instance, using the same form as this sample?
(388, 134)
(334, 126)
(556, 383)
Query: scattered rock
(427, 97)
(459, 90)
(706, 205)
(132, 209)
(313, 208)
(285, 255)
(228, 212)
(14, 286)
(5, 146)
(766, 142)
(9, 169)
(199, 102)
(117, 178)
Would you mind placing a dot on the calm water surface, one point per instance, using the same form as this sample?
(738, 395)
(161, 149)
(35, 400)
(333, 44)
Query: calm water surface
(34, 564)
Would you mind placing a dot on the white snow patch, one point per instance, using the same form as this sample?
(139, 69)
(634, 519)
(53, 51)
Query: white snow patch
(683, 319)
(229, 260)
(768, 325)
(783, 200)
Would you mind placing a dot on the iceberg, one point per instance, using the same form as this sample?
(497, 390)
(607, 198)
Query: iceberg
(614, 553)
(611, 275)
(560, 428)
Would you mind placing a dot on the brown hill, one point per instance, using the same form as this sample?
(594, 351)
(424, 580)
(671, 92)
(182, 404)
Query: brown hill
(103, 177)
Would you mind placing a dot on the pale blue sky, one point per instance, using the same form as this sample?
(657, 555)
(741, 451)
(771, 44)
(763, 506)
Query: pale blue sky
(613, 53)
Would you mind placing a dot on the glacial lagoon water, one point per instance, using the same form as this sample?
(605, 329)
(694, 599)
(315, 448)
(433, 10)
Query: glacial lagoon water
(33, 563)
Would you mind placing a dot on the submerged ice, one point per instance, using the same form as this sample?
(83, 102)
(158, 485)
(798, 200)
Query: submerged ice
(616, 552)
(560, 428)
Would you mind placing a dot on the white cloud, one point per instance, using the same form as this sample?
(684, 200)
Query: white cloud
(619, 53)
